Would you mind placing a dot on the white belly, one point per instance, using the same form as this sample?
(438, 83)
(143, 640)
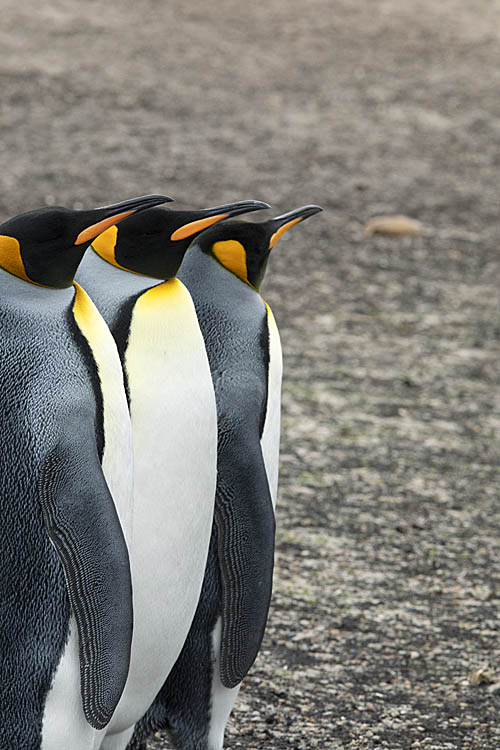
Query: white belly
(117, 459)
(270, 441)
(222, 699)
(174, 422)
(64, 724)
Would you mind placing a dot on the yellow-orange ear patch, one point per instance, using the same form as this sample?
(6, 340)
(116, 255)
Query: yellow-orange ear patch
(105, 244)
(281, 231)
(105, 247)
(232, 255)
(196, 226)
(10, 257)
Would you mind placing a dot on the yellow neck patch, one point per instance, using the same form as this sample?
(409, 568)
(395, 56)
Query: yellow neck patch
(170, 292)
(84, 310)
(232, 255)
(10, 257)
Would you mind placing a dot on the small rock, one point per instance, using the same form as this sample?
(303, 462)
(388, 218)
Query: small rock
(393, 225)
(481, 676)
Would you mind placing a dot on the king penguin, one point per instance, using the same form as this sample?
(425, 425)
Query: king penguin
(65, 586)
(174, 428)
(223, 270)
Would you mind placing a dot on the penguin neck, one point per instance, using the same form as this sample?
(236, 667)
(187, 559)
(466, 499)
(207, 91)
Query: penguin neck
(21, 294)
(209, 280)
(110, 287)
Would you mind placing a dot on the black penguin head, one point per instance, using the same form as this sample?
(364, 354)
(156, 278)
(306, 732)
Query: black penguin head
(46, 245)
(243, 248)
(154, 243)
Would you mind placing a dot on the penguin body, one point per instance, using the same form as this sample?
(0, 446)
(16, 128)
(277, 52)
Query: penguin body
(34, 626)
(172, 409)
(174, 424)
(244, 351)
(65, 593)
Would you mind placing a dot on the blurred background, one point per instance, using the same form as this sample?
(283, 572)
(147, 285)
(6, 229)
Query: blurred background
(384, 627)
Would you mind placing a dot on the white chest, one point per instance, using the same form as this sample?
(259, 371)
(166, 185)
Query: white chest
(117, 459)
(63, 719)
(270, 441)
(174, 423)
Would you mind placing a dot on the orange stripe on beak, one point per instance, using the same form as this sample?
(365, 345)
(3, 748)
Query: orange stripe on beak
(196, 226)
(281, 231)
(88, 234)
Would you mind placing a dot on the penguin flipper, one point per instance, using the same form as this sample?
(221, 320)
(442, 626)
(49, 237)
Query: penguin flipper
(82, 523)
(245, 524)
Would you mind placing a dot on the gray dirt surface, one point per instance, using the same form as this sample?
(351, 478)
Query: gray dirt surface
(384, 625)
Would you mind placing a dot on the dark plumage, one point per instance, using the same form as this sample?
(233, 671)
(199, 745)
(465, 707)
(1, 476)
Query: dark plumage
(245, 365)
(51, 445)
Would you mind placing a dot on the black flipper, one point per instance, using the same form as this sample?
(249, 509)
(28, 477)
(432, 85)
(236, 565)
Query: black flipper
(245, 524)
(81, 520)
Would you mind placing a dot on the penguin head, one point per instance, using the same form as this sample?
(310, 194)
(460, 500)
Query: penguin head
(45, 246)
(154, 244)
(243, 248)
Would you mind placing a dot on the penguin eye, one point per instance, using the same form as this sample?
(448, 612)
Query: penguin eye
(53, 230)
(49, 237)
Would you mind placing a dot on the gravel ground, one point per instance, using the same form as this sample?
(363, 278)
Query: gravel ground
(384, 625)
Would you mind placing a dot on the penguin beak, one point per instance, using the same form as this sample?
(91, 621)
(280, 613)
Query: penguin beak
(107, 216)
(284, 222)
(209, 216)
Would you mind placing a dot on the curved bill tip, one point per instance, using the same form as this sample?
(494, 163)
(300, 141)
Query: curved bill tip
(210, 216)
(246, 207)
(286, 221)
(109, 215)
(237, 208)
(135, 204)
(302, 213)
